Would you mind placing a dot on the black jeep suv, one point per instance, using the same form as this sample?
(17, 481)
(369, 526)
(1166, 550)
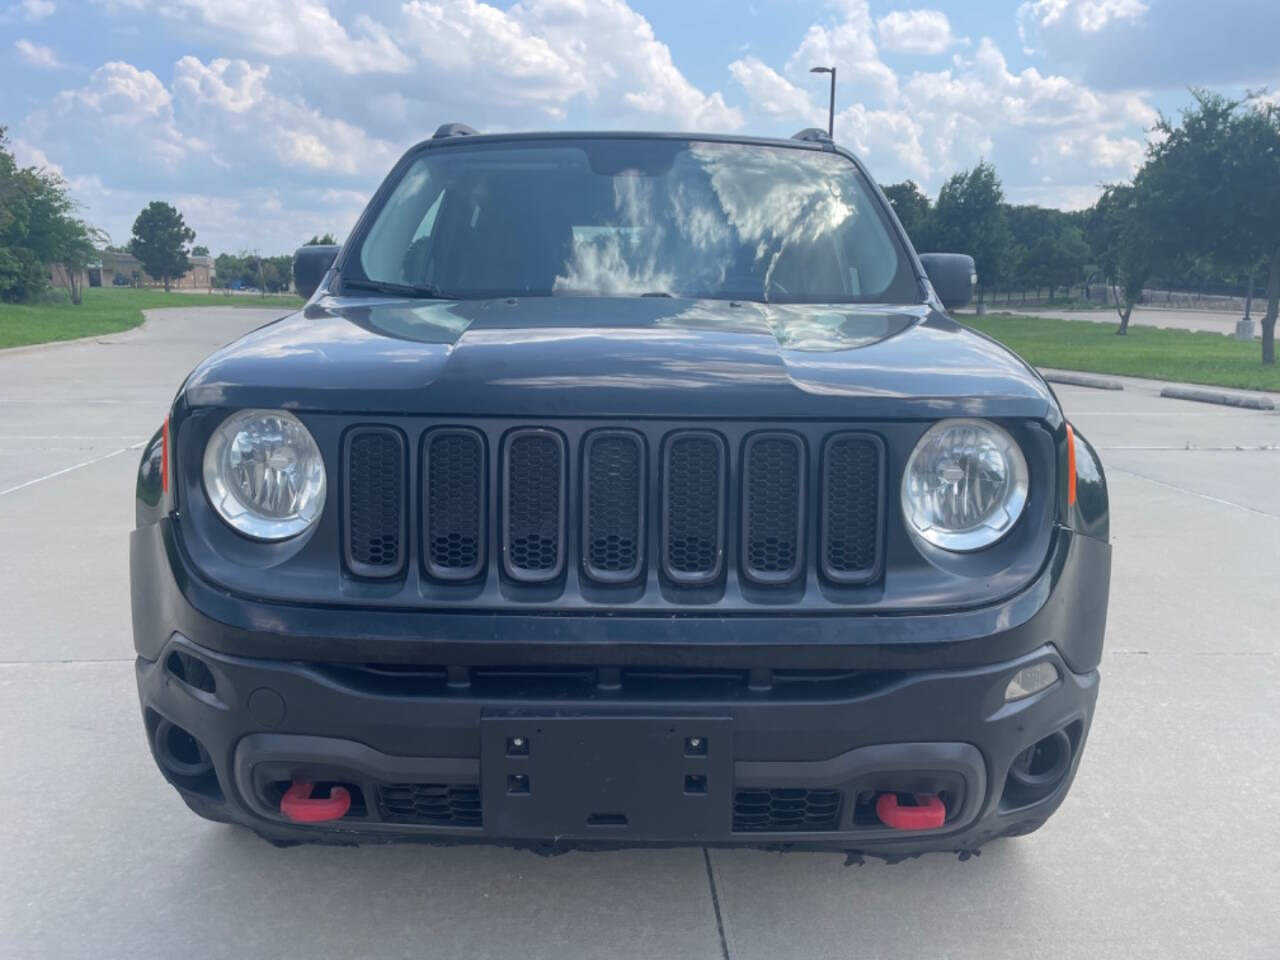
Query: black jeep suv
(621, 488)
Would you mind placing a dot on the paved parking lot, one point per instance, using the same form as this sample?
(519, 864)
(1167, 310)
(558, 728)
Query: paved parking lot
(1210, 321)
(1166, 847)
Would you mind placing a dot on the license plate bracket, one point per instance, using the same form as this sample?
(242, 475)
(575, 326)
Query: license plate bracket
(602, 777)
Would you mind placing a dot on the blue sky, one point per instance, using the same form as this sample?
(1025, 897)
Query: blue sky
(268, 120)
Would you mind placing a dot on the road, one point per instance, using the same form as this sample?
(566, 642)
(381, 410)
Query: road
(1210, 321)
(1166, 847)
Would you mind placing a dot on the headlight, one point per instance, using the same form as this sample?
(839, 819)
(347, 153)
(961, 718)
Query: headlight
(964, 486)
(264, 474)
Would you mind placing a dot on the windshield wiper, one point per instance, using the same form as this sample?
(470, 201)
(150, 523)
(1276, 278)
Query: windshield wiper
(425, 292)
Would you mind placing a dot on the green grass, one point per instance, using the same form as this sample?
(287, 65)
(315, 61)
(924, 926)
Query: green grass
(1085, 345)
(110, 310)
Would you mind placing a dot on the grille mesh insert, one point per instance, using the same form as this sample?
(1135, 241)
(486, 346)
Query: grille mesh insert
(692, 520)
(430, 804)
(375, 503)
(851, 507)
(786, 809)
(614, 490)
(454, 504)
(774, 494)
(534, 501)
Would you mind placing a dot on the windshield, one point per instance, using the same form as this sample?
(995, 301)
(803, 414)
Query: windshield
(620, 217)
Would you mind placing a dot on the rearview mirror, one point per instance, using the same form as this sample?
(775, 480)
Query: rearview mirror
(953, 277)
(310, 264)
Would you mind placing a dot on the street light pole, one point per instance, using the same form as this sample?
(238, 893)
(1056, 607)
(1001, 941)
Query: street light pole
(831, 105)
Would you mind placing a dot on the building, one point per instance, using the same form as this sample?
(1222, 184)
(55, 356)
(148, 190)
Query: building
(199, 277)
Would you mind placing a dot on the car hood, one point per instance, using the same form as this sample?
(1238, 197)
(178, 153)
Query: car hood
(624, 356)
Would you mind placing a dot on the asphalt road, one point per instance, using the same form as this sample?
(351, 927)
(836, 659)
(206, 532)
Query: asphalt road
(1210, 321)
(1166, 847)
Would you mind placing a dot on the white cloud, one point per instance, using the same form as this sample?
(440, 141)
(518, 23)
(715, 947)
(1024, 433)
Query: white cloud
(32, 11)
(1140, 45)
(122, 112)
(303, 104)
(774, 94)
(287, 29)
(230, 104)
(850, 47)
(29, 155)
(915, 31)
(928, 124)
(614, 49)
(1086, 16)
(37, 55)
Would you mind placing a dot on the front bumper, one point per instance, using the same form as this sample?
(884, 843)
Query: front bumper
(806, 720)
(607, 758)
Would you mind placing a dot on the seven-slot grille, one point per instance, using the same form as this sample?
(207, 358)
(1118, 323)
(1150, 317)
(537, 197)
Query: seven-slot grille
(706, 496)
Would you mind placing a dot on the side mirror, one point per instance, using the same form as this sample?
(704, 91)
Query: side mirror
(953, 277)
(310, 264)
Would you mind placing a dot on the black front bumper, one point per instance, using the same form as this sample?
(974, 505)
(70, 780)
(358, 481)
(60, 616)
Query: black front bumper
(792, 753)
(785, 765)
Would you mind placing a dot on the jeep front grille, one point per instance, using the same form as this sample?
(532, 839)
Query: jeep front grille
(616, 513)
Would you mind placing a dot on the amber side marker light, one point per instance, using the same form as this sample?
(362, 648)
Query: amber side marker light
(164, 458)
(1070, 464)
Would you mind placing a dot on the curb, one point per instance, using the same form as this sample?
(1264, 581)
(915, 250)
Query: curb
(1216, 396)
(1081, 380)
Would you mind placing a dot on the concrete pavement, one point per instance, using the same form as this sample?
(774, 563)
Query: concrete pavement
(1165, 847)
(1209, 321)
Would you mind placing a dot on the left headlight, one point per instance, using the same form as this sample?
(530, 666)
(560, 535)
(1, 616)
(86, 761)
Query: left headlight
(264, 475)
(964, 486)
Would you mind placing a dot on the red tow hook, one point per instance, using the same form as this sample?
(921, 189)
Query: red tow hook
(929, 813)
(299, 806)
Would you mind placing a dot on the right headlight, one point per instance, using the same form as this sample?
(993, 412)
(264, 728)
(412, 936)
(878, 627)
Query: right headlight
(965, 485)
(264, 474)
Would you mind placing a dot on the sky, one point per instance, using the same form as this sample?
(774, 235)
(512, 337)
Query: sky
(266, 121)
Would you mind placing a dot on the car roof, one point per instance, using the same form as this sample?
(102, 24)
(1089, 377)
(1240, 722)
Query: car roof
(456, 134)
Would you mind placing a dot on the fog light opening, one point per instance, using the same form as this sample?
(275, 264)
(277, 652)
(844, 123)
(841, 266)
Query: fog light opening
(1030, 680)
(179, 752)
(1044, 762)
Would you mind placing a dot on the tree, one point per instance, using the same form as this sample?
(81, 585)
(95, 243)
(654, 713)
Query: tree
(76, 248)
(317, 241)
(1122, 246)
(1210, 188)
(970, 217)
(160, 238)
(21, 273)
(199, 251)
(911, 205)
(38, 229)
(1057, 258)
